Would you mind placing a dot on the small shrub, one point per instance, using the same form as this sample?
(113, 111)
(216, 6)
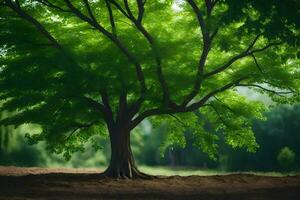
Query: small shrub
(286, 159)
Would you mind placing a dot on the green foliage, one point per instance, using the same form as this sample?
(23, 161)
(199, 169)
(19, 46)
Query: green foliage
(279, 130)
(47, 82)
(286, 159)
(21, 154)
(14, 150)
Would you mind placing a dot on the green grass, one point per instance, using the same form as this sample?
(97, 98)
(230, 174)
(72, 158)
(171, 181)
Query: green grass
(183, 171)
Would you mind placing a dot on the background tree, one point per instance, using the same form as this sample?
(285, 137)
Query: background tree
(78, 68)
(280, 130)
(5, 136)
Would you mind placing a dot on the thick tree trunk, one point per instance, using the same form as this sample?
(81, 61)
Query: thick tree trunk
(122, 163)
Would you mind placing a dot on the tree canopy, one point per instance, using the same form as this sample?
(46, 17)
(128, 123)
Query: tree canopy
(78, 68)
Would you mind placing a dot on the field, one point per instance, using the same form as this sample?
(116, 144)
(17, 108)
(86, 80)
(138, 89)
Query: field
(81, 184)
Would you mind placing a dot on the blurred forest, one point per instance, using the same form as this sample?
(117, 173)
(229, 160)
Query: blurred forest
(278, 137)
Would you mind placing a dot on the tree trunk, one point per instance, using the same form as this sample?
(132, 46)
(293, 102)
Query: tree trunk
(122, 163)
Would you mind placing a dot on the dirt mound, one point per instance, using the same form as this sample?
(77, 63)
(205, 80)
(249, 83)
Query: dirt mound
(40, 184)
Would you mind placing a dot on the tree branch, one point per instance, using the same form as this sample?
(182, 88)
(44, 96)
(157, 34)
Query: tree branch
(141, 10)
(120, 8)
(128, 9)
(81, 126)
(177, 119)
(279, 93)
(111, 17)
(253, 42)
(108, 114)
(208, 4)
(94, 104)
(200, 19)
(121, 116)
(198, 104)
(17, 8)
(219, 116)
(115, 40)
(279, 86)
(226, 106)
(256, 63)
(246, 53)
(138, 24)
(159, 72)
(144, 115)
(192, 107)
(207, 39)
(90, 12)
(51, 5)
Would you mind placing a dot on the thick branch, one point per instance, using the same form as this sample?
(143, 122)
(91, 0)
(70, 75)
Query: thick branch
(94, 104)
(108, 114)
(122, 112)
(145, 114)
(192, 107)
(201, 102)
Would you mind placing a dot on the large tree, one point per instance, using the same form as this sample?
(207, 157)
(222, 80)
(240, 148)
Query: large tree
(80, 68)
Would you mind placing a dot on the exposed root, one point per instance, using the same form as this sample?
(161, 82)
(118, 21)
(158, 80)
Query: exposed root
(134, 173)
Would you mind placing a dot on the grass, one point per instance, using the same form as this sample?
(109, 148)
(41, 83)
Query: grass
(184, 171)
(168, 171)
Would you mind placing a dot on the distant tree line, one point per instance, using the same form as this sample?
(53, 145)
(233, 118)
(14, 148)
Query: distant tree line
(279, 134)
(278, 137)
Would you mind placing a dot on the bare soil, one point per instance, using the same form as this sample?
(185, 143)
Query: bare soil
(73, 184)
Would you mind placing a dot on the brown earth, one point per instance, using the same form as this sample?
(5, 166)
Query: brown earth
(67, 184)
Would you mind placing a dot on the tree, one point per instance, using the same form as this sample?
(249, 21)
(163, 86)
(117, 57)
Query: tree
(5, 137)
(286, 159)
(78, 68)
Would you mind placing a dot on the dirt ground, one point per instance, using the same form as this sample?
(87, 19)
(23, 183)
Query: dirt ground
(67, 184)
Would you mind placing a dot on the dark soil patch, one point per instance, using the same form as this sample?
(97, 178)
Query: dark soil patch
(54, 184)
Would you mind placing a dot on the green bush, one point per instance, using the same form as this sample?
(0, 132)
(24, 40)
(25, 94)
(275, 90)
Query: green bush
(286, 159)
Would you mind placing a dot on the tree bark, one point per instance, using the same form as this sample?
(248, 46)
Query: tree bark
(122, 163)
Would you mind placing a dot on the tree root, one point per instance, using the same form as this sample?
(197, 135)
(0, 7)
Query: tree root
(134, 173)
